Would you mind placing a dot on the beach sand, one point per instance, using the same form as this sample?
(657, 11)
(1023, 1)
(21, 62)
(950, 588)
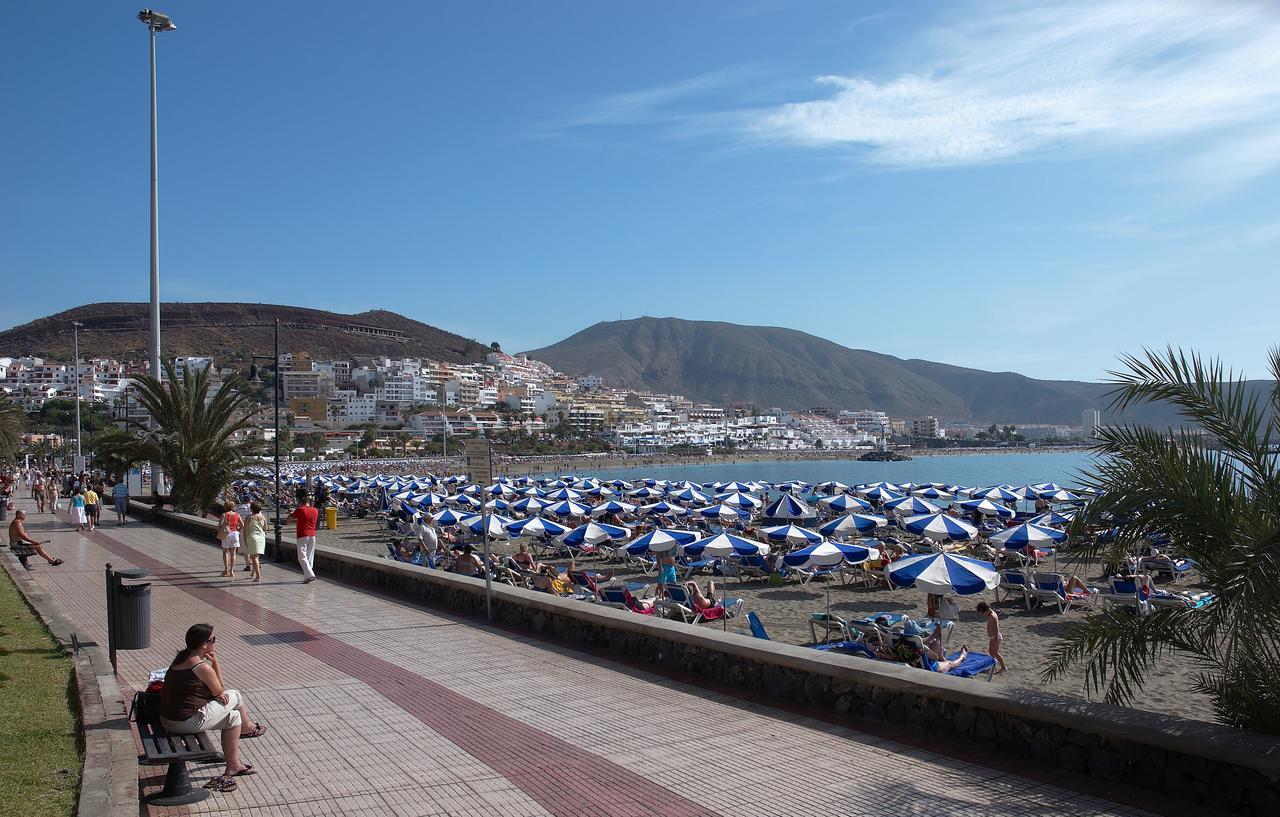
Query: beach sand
(785, 612)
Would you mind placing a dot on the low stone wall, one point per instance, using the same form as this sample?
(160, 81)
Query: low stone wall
(1196, 762)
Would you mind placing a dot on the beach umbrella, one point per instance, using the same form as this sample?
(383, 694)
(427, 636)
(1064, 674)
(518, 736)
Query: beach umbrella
(1052, 519)
(497, 525)
(997, 493)
(1017, 538)
(832, 487)
(1060, 496)
(612, 506)
(497, 504)
(986, 507)
(594, 533)
(647, 492)
(449, 516)
(792, 535)
(599, 490)
(620, 484)
(691, 495)
(738, 500)
(911, 506)
(530, 504)
(500, 489)
(565, 493)
(931, 492)
(536, 526)
(852, 523)
(737, 487)
(661, 540)
(940, 527)
(844, 503)
(726, 544)
(567, 507)
(942, 573)
(723, 513)
(829, 554)
(430, 500)
(880, 494)
(788, 507)
(664, 509)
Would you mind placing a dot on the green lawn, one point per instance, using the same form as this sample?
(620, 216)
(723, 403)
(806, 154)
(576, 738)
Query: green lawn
(40, 749)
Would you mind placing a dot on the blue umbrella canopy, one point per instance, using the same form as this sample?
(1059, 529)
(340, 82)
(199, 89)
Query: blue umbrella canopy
(612, 506)
(1017, 538)
(567, 508)
(931, 492)
(943, 573)
(497, 525)
(449, 516)
(792, 534)
(852, 523)
(530, 504)
(788, 507)
(738, 500)
(661, 540)
(725, 544)
(664, 509)
(880, 494)
(911, 506)
(1052, 519)
(536, 526)
(831, 486)
(829, 554)
(565, 493)
(998, 493)
(845, 502)
(691, 495)
(987, 507)
(940, 527)
(594, 533)
(724, 513)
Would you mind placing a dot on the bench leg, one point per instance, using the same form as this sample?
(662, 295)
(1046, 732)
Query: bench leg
(177, 790)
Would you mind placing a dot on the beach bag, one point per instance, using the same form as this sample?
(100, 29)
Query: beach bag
(775, 580)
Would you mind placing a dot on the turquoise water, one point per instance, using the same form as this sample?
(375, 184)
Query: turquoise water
(972, 470)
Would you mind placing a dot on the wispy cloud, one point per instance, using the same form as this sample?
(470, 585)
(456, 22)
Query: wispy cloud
(1002, 87)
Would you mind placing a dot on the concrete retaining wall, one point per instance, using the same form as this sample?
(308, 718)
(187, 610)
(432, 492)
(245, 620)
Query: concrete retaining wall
(1191, 760)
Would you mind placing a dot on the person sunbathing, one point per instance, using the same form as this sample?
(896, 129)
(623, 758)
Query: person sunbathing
(702, 601)
(946, 665)
(1076, 586)
(559, 583)
(467, 564)
(525, 559)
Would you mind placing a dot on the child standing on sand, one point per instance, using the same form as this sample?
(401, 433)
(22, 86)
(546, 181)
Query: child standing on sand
(994, 636)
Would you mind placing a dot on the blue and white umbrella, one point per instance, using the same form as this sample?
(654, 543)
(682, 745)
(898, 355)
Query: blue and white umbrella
(880, 494)
(911, 506)
(829, 554)
(987, 507)
(844, 503)
(724, 513)
(942, 573)
(530, 504)
(594, 533)
(661, 540)
(565, 493)
(792, 535)
(664, 509)
(463, 501)
(852, 523)
(691, 495)
(497, 504)
(449, 516)
(738, 500)
(536, 526)
(726, 544)
(619, 484)
(832, 487)
(1052, 519)
(737, 487)
(612, 506)
(647, 492)
(567, 508)
(931, 492)
(1060, 495)
(599, 490)
(500, 489)
(940, 527)
(497, 525)
(788, 507)
(998, 493)
(1017, 538)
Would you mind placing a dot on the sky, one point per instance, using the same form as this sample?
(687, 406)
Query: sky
(1036, 187)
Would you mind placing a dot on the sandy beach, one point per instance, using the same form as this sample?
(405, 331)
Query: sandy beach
(785, 612)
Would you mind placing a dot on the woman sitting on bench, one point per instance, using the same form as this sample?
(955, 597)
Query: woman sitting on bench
(194, 699)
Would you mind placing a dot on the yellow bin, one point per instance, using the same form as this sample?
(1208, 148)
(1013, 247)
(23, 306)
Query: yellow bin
(331, 518)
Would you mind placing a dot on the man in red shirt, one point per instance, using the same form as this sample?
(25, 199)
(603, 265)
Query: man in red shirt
(306, 518)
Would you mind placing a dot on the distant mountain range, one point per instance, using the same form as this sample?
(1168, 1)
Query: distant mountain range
(770, 366)
(233, 331)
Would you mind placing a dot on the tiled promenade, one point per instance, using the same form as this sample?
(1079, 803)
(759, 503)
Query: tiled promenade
(376, 707)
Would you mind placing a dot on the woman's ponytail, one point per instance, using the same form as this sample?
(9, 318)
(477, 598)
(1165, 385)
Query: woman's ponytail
(197, 635)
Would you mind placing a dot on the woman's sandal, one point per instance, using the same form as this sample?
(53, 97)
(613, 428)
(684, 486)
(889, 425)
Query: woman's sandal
(221, 783)
(245, 772)
(257, 731)
(56, 562)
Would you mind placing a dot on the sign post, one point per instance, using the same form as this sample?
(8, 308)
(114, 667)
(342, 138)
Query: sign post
(480, 471)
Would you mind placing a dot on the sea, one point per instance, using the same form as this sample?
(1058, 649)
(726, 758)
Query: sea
(972, 470)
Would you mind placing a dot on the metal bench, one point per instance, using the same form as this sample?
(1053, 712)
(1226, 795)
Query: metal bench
(23, 551)
(161, 748)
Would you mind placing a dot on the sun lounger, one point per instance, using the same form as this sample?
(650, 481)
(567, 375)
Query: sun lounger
(621, 598)
(1174, 569)
(829, 623)
(1015, 582)
(974, 664)
(847, 647)
(696, 566)
(1124, 593)
(1051, 588)
(675, 598)
(757, 627)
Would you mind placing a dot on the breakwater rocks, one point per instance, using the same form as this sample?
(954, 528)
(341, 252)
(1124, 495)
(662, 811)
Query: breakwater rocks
(883, 456)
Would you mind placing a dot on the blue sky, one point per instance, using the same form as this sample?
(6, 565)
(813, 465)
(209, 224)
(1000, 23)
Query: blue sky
(1035, 187)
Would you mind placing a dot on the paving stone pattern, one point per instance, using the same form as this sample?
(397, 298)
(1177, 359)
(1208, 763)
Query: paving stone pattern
(379, 707)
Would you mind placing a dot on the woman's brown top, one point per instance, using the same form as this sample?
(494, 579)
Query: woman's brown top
(183, 694)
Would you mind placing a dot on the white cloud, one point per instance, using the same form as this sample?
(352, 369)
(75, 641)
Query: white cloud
(1015, 84)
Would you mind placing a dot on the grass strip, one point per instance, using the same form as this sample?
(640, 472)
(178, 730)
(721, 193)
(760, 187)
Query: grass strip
(41, 750)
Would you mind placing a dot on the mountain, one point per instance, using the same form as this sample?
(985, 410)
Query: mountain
(771, 366)
(230, 330)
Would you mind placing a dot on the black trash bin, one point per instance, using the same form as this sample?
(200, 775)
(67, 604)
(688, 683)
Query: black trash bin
(133, 617)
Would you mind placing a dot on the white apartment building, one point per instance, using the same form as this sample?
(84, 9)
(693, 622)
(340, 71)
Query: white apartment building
(1090, 422)
(305, 384)
(926, 428)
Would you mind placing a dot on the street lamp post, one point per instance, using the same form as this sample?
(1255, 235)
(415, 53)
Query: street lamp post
(75, 333)
(155, 22)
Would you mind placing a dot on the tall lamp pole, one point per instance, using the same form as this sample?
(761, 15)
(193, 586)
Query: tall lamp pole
(75, 333)
(155, 22)
(275, 388)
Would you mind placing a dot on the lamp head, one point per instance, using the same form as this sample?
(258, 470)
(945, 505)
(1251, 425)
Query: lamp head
(156, 21)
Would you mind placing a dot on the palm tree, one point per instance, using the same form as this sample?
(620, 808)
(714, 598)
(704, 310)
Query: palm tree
(12, 422)
(193, 435)
(1215, 491)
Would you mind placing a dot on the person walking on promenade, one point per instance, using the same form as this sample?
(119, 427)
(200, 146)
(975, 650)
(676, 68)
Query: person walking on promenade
(90, 505)
(120, 495)
(18, 536)
(229, 535)
(77, 510)
(255, 539)
(37, 491)
(51, 494)
(306, 517)
(195, 699)
(994, 636)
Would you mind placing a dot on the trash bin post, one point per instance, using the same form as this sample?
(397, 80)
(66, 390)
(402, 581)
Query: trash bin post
(111, 616)
(138, 633)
